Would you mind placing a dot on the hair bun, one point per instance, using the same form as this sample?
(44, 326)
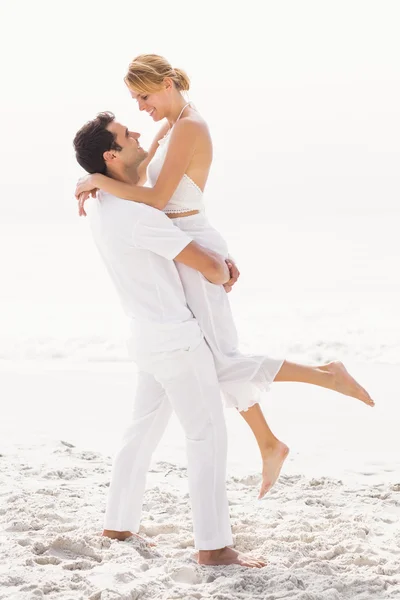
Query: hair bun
(182, 80)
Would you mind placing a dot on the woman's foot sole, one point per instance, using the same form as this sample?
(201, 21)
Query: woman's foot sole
(345, 384)
(273, 459)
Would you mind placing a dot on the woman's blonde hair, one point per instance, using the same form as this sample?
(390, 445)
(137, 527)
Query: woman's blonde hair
(147, 72)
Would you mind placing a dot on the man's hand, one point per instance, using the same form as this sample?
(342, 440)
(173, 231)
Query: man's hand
(234, 275)
(210, 264)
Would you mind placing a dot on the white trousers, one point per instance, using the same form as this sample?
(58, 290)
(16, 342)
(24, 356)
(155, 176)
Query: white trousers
(243, 377)
(184, 381)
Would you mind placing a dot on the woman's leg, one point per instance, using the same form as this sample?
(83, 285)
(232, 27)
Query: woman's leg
(332, 376)
(273, 451)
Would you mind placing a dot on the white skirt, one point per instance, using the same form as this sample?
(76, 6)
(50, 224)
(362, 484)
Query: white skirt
(242, 376)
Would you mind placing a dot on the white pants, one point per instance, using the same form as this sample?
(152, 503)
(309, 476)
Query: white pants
(243, 377)
(184, 381)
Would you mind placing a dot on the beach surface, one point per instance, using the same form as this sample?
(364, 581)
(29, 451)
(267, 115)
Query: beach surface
(328, 529)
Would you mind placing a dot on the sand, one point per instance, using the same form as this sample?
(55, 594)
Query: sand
(329, 528)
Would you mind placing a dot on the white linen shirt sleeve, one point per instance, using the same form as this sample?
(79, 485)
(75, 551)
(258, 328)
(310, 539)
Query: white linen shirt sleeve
(156, 232)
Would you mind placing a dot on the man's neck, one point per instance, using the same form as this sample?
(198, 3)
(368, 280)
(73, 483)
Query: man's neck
(127, 175)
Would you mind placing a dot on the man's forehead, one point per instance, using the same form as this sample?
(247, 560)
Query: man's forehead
(116, 127)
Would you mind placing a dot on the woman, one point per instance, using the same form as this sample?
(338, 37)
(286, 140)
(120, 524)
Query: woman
(177, 167)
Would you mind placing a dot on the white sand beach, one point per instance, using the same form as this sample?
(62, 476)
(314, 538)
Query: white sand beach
(303, 110)
(313, 288)
(329, 528)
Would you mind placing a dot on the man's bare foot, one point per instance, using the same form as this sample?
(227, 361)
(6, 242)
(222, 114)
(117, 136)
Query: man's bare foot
(228, 556)
(345, 383)
(124, 535)
(273, 458)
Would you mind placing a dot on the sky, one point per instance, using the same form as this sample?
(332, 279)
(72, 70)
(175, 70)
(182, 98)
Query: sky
(302, 99)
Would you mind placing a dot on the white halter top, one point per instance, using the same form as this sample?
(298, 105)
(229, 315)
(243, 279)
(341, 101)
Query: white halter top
(187, 196)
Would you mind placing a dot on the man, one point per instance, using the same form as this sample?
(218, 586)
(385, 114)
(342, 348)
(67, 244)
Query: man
(176, 369)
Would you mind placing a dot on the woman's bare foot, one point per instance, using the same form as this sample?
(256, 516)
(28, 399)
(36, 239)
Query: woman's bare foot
(346, 384)
(228, 556)
(124, 535)
(273, 458)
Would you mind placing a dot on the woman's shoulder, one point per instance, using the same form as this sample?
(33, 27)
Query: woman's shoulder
(192, 124)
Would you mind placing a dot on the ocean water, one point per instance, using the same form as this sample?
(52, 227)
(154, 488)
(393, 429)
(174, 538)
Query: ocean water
(311, 288)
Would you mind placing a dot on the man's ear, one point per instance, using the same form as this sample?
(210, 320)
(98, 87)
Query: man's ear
(108, 156)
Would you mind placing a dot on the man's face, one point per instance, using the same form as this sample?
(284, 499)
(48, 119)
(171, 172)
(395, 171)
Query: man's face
(132, 153)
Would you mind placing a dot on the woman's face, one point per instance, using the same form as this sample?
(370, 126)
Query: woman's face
(154, 104)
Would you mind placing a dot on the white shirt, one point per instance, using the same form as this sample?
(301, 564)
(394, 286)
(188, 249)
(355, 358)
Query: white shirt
(138, 244)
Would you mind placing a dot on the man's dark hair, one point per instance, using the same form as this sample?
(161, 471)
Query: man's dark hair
(92, 140)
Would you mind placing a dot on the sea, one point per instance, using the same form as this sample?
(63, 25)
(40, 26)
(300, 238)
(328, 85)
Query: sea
(312, 288)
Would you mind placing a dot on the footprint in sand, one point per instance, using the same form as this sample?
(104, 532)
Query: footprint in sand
(187, 575)
(66, 548)
(78, 565)
(142, 548)
(47, 560)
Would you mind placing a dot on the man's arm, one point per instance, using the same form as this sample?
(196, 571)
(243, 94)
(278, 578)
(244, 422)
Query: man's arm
(209, 263)
(155, 232)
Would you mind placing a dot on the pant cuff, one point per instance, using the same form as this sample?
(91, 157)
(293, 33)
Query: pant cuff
(214, 544)
(115, 526)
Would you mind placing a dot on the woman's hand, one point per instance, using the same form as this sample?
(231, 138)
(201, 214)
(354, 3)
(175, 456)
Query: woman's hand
(82, 199)
(85, 184)
(85, 188)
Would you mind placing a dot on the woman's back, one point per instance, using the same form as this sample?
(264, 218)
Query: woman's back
(188, 195)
